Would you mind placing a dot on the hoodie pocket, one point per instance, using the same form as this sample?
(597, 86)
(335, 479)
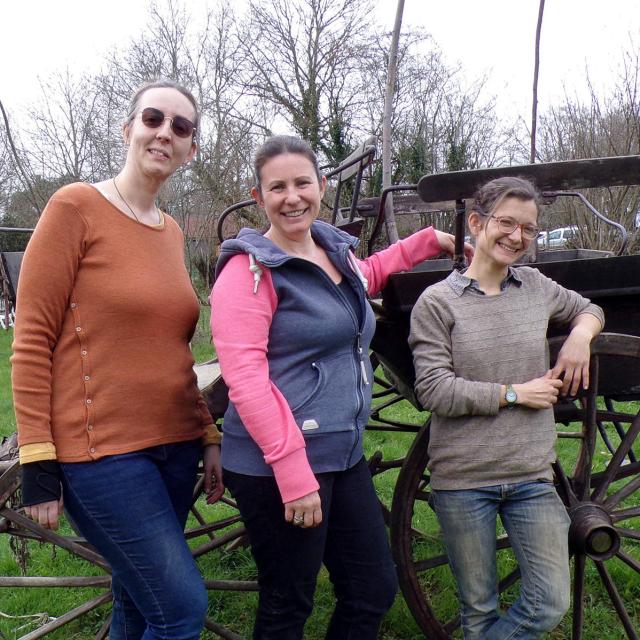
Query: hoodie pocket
(332, 404)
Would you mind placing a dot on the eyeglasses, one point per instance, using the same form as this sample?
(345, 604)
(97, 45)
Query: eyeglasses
(509, 225)
(154, 118)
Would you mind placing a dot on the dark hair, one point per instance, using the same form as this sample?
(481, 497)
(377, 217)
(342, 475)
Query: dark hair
(277, 145)
(161, 84)
(489, 197)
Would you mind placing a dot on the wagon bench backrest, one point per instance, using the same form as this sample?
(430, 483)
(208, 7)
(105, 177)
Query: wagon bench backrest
(552, 179)
(551, 176)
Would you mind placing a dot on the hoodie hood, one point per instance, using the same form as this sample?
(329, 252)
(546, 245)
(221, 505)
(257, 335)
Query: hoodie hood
(267, 253)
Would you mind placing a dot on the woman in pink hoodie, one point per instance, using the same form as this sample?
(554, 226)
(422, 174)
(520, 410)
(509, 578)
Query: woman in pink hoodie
(292, 329)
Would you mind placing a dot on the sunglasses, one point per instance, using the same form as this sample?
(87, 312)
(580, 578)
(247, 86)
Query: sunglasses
(154, 118)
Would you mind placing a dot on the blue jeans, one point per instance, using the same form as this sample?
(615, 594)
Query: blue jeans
(537, 524)
(351, 541)
(132, 508)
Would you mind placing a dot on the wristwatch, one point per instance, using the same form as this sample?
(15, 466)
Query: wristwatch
(511, 396)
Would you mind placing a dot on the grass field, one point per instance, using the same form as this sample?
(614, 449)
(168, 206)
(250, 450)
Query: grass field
(21, 610)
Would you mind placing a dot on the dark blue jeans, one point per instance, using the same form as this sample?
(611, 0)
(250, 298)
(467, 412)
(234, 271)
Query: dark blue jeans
(351, 541)
(132, 508)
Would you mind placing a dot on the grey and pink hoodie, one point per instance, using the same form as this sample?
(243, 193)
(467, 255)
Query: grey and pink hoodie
(294, 353)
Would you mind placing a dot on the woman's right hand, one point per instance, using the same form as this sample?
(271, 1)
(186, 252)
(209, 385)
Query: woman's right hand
(46, 514)
(305, 512)
(539, 393)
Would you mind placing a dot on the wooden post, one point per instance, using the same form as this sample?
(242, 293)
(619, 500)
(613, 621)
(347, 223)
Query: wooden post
(392, 231)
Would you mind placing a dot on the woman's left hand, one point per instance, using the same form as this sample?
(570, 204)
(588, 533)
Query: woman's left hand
(572, 364)
(213, 485)
(447, 243)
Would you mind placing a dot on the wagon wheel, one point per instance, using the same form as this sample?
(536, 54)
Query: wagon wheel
(215, 528)
(598, 479)
(219, 529)
(386, 400)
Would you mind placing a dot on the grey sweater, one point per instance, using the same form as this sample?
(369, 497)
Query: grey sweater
(465, 345)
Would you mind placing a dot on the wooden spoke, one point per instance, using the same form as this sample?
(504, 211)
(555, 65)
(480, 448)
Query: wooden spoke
(617, 460)
(57, 623)
(628, 533)
(616, 600)
(629, 560)
(625, 514)
(617, 423)
(615, 498)
(578, 597)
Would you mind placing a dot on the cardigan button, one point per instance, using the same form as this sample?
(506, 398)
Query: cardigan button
(92, 450)
(78, 328)
(84, 352)
(89, 400)
(89, 427)
(87, 378)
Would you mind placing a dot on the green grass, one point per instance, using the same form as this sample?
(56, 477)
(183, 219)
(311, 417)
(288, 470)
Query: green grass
(237, 610)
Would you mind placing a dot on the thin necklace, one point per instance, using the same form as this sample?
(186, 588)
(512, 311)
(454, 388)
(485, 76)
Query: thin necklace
(129, 206)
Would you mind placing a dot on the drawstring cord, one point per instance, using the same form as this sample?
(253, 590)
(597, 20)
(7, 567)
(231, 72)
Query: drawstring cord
(356, 268)
(254, 267)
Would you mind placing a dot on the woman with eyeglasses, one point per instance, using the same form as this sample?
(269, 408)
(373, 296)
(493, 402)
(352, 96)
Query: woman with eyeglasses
(482, 369)
(108, 411)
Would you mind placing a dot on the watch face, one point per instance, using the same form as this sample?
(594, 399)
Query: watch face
(510, 396)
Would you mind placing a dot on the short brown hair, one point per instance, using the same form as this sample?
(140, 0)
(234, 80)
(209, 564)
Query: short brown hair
(489, 197)
(277, 145)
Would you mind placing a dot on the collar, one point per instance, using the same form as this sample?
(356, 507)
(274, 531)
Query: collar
(460, 283)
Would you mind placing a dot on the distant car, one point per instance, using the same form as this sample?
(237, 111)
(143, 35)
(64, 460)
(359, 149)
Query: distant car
(557, 238)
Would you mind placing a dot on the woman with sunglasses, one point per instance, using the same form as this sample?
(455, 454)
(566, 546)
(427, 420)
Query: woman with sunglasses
(109, 415)
(482, 368)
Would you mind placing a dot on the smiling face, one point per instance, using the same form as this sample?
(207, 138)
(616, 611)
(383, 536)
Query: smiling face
(290, 195)
(157, 153)
(495, 247)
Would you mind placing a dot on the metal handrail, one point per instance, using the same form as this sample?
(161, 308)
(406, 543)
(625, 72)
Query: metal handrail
(17, 229)
(380, 217)
(581, 197)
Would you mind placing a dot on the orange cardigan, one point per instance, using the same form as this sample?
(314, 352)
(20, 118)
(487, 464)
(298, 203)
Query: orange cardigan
(101, 362)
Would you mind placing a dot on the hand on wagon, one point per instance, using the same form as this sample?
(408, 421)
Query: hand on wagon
(572, 364)
(447, 243)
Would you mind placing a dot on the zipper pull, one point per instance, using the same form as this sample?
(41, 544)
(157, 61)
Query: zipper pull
(363, 367)
(364, 372)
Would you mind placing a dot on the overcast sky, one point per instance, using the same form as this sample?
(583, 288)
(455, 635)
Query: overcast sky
(496, 37)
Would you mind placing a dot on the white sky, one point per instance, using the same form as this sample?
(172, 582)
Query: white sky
(38, 37)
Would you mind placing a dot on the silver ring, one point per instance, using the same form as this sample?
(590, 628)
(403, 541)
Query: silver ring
(298, 520)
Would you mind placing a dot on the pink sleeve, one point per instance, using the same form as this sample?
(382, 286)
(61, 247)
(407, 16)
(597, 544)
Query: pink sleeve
(240, 323)
(400, 256)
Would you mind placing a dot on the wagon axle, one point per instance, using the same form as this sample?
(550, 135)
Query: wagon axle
(592, 532)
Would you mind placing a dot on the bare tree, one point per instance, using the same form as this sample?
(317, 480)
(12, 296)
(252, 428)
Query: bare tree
(598, 127)
(60, 137)
(301, 56)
